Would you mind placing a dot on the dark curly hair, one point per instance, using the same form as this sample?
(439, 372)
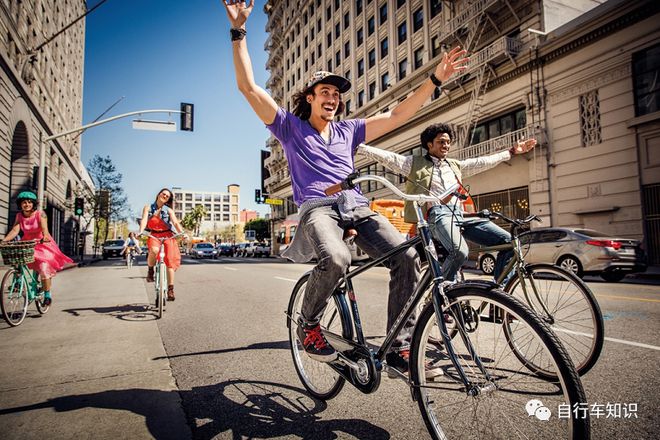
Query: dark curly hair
(170, 202)
(432, 131)
(303, 109)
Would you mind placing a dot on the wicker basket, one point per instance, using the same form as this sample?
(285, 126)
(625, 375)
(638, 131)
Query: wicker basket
(18, 252)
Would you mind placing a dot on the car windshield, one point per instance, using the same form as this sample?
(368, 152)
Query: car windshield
(114, 243)
(591, 233)
(204, 246)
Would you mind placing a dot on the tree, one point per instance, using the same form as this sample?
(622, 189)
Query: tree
(193, 219)
(106, 178)
(261, 228)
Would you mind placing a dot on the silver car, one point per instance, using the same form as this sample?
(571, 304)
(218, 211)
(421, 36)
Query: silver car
(203, 250)
(582, 251)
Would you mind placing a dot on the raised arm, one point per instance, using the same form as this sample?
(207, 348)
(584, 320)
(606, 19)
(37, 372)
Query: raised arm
(454, 61)
(389, 159)
(144, 219)
(261, 102)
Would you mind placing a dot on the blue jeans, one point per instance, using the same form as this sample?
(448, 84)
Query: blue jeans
(445, 226)
(376, 236)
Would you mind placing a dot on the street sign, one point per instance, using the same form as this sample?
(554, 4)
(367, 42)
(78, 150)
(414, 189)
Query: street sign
(142, 124)
(250, 234)
(274, 201)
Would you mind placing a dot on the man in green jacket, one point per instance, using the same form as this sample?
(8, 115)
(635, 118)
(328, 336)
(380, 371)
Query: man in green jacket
(431, 174)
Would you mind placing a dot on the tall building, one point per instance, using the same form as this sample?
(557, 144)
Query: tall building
(578, 76)
(41, 83)
(221, 207)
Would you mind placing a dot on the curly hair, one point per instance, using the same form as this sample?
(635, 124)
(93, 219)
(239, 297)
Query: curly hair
(303, 109)
(432, 131)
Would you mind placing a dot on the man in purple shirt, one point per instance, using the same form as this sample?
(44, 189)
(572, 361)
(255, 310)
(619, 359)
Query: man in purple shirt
(320, 153)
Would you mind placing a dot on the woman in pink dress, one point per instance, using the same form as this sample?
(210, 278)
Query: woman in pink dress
(48, 259)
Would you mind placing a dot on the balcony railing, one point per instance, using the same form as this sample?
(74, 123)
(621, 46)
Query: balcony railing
(494, 145)
(468, 14)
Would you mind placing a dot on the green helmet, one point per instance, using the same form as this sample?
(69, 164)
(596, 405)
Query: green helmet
(27, 195)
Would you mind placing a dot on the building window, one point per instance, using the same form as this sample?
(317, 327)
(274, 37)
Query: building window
(418, 19)
(337, 30)
(372, 91)
(499, 126)
(360, 36)
(360, 67)
(400, 3)
(338, 58)
(371, 25)
(590, 119)
(348, 107)
(435, 47)
(372, 58)
(329, 39)
(403, 67)
(384, 48)
(646, 75)
(328, 13)
(436, 7)
(419, 57)
(347, 75)
(402, 32)
(347, 49)
(382, 14)
(358, 7)
(360, 102)
(384, 81)
(329, 69)
(347, 20)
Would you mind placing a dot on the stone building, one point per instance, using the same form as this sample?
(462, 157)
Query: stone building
(41, 84)
(581, 77)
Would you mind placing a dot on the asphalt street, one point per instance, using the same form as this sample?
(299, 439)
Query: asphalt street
(218, 365)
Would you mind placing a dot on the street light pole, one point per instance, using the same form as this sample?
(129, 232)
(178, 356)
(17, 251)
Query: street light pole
(43, 142)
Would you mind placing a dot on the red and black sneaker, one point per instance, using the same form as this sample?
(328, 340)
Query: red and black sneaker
(314, 343)
(399, 360)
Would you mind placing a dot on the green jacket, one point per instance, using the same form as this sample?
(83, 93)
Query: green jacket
(419, 182)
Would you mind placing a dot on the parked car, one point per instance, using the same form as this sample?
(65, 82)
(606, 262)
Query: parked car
(239, 250)
(582, 251)
(225, 249)
(112, 248)
(262, 249)
(250, 249)
(203, 250)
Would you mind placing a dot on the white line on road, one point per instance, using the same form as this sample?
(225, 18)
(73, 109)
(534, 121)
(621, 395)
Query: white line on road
(229, 268)
(286, 279)
(620, 341)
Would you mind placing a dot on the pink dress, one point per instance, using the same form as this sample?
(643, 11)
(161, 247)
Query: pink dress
(48, 258)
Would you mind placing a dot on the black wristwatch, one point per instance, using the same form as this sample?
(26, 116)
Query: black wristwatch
(237, 33)
(436, 82)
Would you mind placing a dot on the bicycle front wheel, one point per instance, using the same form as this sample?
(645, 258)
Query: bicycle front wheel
(563, 301)
(502, 399)
(160, 278)
(14, 302)
(320, 380)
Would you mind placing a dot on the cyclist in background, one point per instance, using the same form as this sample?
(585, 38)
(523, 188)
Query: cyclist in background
(160, 221)
(48, 258)
(132, 244)
(432, 173)
(320, 152)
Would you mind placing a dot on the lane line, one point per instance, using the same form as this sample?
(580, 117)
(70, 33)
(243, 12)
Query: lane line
(628, 298)
(620, 341)
(286, 279)
(229, 268)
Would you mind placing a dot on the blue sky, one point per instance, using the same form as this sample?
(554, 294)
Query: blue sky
(158, 54)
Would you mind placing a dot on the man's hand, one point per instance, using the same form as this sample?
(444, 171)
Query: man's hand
(523, 146)
(452, 62)
(238, 12)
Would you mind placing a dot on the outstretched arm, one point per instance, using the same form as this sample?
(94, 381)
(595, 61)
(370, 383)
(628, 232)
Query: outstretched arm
(261, 102)
(13, 232)
(454, 61)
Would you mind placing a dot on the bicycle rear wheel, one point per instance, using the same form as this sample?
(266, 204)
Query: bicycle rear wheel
(320, 380)
(14, 297)
(574, 313)
(509, 401)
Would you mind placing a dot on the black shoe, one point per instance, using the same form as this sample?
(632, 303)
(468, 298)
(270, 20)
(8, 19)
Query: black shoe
(150, 275)
(399, 360)
(314, 343)
(47, 301)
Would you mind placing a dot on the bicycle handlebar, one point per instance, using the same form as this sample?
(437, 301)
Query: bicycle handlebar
(485, 213)
(353, 180)
(161, 239)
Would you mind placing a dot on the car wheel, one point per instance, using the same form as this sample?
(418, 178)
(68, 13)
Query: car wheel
(613, 277)
(571, 264)
(487, 264)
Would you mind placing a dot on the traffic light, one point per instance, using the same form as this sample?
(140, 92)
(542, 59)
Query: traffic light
(79, 206)
(257, 196)
(187, 116)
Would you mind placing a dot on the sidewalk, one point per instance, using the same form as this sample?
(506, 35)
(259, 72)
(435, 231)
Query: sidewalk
(93, 367)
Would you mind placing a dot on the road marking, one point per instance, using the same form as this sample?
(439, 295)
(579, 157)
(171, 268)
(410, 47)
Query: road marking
(628, 298)
(229, 268)
(620, 341)
(286, 279)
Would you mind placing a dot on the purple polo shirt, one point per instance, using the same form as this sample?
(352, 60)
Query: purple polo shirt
(315, 164)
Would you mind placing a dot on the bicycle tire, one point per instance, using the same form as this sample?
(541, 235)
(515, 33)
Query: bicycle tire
(318, 378)
(160, 278)
(501, 407)
(576, 316)
(13, 298)
(129, 261)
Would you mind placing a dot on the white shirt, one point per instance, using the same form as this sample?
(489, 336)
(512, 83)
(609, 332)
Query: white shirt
(443, 175)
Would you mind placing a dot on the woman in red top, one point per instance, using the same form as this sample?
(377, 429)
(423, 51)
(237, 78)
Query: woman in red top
(159, 219)
(48, 258)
